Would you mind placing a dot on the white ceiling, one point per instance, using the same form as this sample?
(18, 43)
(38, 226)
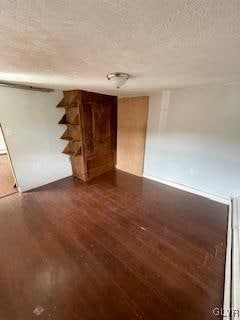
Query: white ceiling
(161, 43)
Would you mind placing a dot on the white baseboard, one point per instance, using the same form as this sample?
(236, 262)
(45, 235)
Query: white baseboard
(190, 189)
(235, 249)
(227, 301)
(31, 188)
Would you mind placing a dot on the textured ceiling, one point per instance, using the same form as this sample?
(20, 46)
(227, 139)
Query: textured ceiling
(161, 43)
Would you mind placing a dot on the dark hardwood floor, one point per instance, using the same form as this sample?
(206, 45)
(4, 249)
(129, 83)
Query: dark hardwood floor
(6, 177)
(120, 247)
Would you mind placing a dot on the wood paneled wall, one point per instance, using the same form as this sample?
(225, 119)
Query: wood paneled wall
(132, 124)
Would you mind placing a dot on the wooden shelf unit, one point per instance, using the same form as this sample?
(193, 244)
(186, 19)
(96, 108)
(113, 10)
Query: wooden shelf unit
(63, 119)
(68, 104)
(65, 137)
(91, 121)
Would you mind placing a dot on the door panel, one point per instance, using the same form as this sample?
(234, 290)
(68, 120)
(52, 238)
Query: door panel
(132, 124)
(89, 133)
(100, 136)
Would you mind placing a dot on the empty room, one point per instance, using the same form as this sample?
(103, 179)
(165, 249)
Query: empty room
(119, 159)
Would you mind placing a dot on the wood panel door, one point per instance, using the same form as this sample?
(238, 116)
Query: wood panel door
(100, 128)
(132, 124)
(100, 136)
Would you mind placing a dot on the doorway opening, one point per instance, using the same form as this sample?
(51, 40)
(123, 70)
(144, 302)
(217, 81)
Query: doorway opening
(8, 183)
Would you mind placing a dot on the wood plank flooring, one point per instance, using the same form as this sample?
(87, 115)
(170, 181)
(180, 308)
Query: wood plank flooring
(6, 177)
(119, 247)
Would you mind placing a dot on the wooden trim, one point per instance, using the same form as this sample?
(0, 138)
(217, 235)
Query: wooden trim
(10, 160)
(144, 146)
(23, 86)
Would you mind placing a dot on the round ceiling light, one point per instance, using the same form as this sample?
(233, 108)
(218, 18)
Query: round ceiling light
(118, 79)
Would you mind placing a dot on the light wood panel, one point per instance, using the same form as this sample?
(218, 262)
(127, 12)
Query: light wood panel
(132, 124)
(7, 181)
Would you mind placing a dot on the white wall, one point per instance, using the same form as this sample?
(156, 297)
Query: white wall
(193, 138)
(29, 121)
(3, 148)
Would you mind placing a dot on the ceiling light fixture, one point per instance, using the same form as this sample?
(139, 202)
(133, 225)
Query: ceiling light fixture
(118, 79)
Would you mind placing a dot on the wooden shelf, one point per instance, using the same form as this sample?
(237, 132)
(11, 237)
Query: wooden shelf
(69, 138)
(71, 134)
(66, 138)
(70, 153)
(74, 122)
(63, 119)
(69, 149)
(66, 135)
(91, 131)
(63, 104)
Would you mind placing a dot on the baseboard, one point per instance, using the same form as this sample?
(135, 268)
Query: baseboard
(32, 188)
(235, 255)
(190, 189)
(227, 300)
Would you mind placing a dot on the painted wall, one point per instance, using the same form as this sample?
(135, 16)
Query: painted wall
(3, 148)
(29, 121)
(193, 138)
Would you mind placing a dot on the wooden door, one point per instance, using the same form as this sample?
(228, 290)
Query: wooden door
(132, 124)
(100, 119)
(102, 128)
